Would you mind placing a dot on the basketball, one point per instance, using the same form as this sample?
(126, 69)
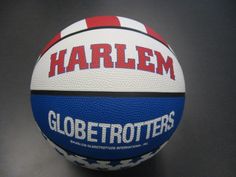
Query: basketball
(107, 92)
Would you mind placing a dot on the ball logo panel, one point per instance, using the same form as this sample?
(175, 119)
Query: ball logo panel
(108, 90)
(101, 59)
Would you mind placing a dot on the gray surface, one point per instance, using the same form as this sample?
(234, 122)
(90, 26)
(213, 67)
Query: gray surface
(202, 33)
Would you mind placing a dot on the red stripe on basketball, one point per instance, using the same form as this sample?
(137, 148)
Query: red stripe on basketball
(102, 21)
(154, 34)
(50, 43)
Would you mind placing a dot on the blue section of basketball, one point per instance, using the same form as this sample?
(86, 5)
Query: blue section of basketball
(110, 110)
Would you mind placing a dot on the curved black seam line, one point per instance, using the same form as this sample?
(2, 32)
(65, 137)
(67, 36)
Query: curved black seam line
(73, 154)
(102, 28)
(106, 94)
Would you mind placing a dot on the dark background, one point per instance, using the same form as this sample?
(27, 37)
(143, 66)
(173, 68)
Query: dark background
(202, 34)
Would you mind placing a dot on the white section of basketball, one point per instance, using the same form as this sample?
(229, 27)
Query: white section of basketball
(129, 23)
(77, 26)
(108, 79)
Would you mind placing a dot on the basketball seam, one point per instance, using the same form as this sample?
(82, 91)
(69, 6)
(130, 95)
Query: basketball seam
(107, 94)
